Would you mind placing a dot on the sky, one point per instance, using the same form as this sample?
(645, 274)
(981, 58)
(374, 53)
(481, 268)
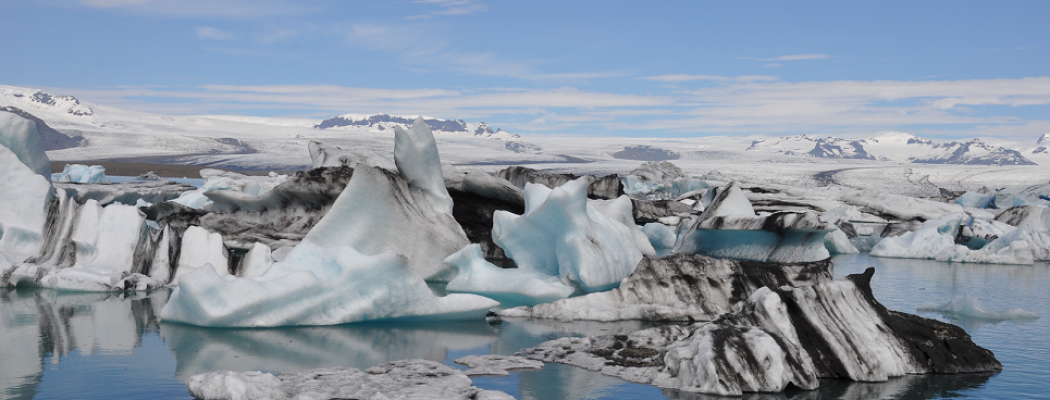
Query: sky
(941, 69)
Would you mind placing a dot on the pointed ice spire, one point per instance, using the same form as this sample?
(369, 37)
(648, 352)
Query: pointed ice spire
(417, 160)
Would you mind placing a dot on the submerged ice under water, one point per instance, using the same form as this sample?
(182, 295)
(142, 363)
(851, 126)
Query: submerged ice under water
(105, 345)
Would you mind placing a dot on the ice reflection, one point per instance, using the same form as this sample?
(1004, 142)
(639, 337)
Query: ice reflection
(41, 324)
(198, 350)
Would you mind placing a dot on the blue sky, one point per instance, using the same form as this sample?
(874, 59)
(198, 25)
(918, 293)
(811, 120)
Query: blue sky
(939, 69)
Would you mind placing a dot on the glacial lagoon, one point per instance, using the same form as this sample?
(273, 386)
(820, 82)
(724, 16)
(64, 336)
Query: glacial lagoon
(60, 345)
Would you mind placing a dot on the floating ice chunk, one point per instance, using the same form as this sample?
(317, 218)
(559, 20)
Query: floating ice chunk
(680, 287)
(201, 248)
(968, 306)
(19, 135)
(561, 235)
(316, 286)
(379, 212)
(975, 199)
(407, 379)
(322, 155)
(216, 180)
(25, 196)
(660, 236)
(124, 192)
(417, 160)
(784, 335)
(659, 181)
(621, 210)
(837, 243)
(256, 261)
(496, 365)
(77, 173)
(938, 240)
(729, 228)
(510, 287)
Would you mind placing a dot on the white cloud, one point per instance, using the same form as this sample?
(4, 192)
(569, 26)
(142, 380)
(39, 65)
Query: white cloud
(746, 104)
(450, 8)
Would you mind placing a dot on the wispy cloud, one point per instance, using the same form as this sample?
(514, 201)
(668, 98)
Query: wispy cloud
(687, 78)
(796, 57)
(426, 46)
(207, 32)
(449, 8)
(204, 8)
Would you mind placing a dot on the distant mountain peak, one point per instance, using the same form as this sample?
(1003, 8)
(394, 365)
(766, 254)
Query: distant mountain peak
(387, 121)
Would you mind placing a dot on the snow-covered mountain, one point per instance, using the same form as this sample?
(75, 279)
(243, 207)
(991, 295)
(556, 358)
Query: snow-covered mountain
(802, 145)
(382, 122)
(894, 146)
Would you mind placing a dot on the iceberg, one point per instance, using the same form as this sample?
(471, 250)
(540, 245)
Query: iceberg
(201, 248)
(25, 188)
(940, 239)
(660, 181)
(406, 379)
(965, 305)
(417, 160)
(322, 155)
(511, 287)
(680, 287)
(154, 191)
(605, 187)
(316, 285)
(562, 234)
(729, 228)
(77, 173)
(787, 335)
(219, 180)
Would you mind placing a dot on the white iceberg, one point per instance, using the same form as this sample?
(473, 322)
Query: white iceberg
(25, 188)
(729, 228)
(201, 248)
(937, 240)
(511, 287)
(77, 173)
(965, 305)
(217, 180)
(561, 234)
(316, 285)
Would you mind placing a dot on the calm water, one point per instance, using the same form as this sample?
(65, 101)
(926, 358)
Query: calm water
(57, 345)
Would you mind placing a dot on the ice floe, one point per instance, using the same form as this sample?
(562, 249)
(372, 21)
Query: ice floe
(406, 379)
(964, 305)
(496, 365)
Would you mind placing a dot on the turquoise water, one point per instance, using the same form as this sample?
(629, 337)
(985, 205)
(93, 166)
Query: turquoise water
(57, 345)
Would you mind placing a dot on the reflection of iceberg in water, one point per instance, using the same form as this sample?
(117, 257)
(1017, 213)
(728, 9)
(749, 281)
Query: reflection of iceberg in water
(904, 387)
(198, 350)
(46, 324)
